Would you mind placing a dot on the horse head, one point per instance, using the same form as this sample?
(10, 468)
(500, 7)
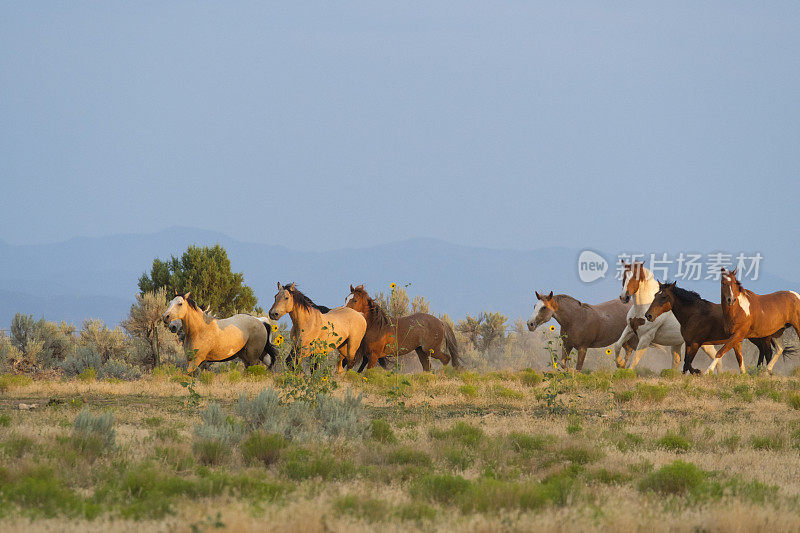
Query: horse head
(662, 302)
(632, 275)
(358, 299)
(177, 308)
(543, 311)
(731, 287)
(284, 301)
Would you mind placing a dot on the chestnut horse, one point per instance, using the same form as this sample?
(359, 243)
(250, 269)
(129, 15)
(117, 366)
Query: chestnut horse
(420, 332)
(217, 340)
(747, 314)
(583, 326)
(317, 327)
(702, 323)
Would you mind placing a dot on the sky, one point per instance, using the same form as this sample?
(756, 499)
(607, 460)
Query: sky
(323, 125)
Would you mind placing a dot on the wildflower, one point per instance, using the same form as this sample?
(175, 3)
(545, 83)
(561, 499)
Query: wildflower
(608, 351)
(555, 365)
(274, 327)
(364, 378)
(552, 328)
(324, 378)
(392, 285)
(278, 340)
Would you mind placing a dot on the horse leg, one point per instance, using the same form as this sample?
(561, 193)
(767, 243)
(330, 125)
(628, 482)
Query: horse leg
(644, 342)
(688, 357)
(777, 342)
(627, 333)
(581, 357)
(737, 348)
(566, 349)
(676, 356)
(725, 348)
(424, 359)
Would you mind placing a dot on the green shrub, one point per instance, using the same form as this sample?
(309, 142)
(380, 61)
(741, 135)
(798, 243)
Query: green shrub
(669, 373)
(574, 424)
(93, 434)
(579, 454)
(205, 377)
(623, 396)
(217, 426)
(527, 444)
(794, 401)
(406, 455)
(382, 431)
(531, 377)
(345, 418)
(210, 451)
(767, 442)
(651, 393)
(445, 488)
(175, 458)
(118, 369)
(731, 442)
(16, 446)
(79, 360)
(457, 457)
(256, 372)
(234, 376)
(675, 478)
(369, 509)
(262, 448)
(87, 375)
(462, 432)
(629, 441)
(40, 492)
(623, 374)
(5, 420)
(415, 511)
(469, 391)
(303, 464)
(674, 442)
(264, 412)
(501, 391)
(744, 392)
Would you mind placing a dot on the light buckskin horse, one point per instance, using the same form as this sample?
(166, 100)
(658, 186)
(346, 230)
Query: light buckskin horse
(583, 326)
(420, 332)
(702, 323)
(747, 314)
(639, 284)
(216, 340)
(316, 326)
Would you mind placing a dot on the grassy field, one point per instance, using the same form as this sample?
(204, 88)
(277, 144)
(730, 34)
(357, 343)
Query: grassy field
(455, 450)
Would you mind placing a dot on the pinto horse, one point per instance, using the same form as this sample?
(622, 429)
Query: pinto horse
(583, 326)
(420, 332)
(639, 284)
(702, 323)
(747, 314)
(217, 340)
(317, 326)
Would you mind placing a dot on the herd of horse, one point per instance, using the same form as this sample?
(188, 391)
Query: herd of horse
(647, 313)
(359, 330)
(650, 313)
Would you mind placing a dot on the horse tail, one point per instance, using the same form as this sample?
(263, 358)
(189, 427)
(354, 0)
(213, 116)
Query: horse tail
(452, 345)
(269, 348)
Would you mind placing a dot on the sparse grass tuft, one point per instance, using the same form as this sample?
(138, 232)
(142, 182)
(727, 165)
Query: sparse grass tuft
(767, 442)
(470, 391)
(262, 448)
(674, 442)
(651, 393)
(381, 431)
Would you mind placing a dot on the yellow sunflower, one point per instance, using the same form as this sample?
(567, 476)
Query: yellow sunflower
(552, 328)
(608, 351)
(274, 327)
(393, 285)
(278, 340)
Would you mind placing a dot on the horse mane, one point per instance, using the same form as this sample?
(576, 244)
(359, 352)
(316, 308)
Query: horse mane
(686, 296)
(208, 318)
(304, 301)
(572, 299)
(376, 312)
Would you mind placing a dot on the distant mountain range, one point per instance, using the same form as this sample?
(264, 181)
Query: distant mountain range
(97, 277)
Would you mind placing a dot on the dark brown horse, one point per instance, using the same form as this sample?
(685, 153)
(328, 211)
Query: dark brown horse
(747, 314)
(420, 332)
(702, 323)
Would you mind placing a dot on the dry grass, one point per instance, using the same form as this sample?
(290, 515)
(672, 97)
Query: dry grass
(526, 467)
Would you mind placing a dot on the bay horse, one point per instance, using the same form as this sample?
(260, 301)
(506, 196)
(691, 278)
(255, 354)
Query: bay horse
(216, 340)
(583, 326)
(315, 327)
(420, 332)
(747, 314)
(639, 284)
(702, 323)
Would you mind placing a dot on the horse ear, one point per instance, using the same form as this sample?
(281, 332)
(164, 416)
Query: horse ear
(279, 286)
(351, 288)
(538, 296)
(291, 287)
(186, 296)
(551, 294)
(176, 292)
(733, 272)
(672, 285)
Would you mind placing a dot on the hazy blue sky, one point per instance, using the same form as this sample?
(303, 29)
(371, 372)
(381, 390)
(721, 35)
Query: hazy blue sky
(615, 125)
